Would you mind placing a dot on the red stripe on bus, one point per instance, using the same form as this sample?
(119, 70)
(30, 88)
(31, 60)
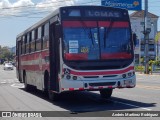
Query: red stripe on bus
(71, 89)
(115, 24)
(34, 56)
(100, 87)
(91, 87)
(116, 55)
(35, 67)
(79, 23)
(81, 88)
(102, 72)
(110, 87)
(77, 56)
(118, 24)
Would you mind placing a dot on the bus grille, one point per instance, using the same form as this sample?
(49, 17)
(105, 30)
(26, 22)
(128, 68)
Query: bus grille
(102, 84)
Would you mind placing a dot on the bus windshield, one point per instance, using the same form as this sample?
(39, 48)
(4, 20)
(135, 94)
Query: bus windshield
(96, 40)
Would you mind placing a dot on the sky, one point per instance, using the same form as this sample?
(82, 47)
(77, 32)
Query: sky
(18, 15)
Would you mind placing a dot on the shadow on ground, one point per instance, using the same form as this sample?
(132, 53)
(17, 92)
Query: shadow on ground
(89, 102)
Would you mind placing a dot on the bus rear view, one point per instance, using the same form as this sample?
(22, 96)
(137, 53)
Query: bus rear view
(97, 49)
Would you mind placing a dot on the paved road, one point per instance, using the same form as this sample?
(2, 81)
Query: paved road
(145, 97)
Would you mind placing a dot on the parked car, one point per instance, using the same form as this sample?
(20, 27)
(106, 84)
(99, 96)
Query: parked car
(8, 66)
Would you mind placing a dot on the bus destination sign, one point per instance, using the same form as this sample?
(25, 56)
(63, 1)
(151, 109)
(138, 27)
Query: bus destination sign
(100, 13)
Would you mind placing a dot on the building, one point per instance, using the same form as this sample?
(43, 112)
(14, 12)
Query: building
(137, 24)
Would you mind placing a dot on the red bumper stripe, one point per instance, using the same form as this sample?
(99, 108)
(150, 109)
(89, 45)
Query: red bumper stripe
(81, 88)
(100, 87)
(110, 87)
(71, 89)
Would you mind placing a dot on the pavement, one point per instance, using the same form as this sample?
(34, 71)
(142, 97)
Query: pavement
(153, 73)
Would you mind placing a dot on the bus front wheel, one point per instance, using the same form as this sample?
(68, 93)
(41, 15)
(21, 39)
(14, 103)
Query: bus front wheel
(106, 93)
(53, 96)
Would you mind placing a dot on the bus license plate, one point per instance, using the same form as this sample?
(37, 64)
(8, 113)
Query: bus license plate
(127, 82)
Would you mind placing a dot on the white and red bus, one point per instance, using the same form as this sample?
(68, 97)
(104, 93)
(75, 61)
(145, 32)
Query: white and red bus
(78, 48)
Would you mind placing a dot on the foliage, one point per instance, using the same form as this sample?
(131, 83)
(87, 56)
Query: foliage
(151, 62)
(157, 63)
(154, 62)
(6, 54)
(139, 68)
(141, 59)
(157, 37)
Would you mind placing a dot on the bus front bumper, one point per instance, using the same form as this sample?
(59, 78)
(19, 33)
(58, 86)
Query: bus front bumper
(96, 84)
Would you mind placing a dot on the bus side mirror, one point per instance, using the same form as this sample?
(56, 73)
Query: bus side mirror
(134, 38)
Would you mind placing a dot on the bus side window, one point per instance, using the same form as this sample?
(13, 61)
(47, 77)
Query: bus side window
(42, 37)
(35, 37)
(19, 46)
(23, 45)
(33, 41)
(30, 38)
(38, 40)
(46, 36)
(27, 43)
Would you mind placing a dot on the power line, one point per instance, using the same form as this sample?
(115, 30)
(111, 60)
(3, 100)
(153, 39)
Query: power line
(29, 12)
(34, 6)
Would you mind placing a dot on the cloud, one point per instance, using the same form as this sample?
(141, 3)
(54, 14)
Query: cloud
(5, 4)
(87, 2)
(23, 6)
(53, 4)
(7, 8)
(23, 3)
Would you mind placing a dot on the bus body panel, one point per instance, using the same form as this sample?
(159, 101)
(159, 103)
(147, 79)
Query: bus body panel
(34, 65)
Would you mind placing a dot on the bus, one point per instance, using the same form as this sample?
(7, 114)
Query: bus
(77, 48)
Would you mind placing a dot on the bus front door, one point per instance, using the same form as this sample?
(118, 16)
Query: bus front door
(18, 61)
(54, 58)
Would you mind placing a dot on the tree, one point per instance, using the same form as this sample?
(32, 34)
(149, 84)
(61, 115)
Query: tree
(5, 54)
(157, 40)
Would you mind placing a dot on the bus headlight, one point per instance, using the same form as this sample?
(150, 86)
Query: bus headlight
(74, 78)
(124, 75)
(68, 77)
(129, 74)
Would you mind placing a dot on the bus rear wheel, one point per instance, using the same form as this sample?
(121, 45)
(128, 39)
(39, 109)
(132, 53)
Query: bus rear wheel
(106, 93)
(26, 86)
(51, 95)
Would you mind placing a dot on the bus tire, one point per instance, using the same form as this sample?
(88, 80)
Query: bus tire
(26, 86)
(46, 80)
(106, 93)
(53, 96)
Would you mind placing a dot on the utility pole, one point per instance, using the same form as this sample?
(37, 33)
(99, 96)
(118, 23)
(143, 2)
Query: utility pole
(146, 37)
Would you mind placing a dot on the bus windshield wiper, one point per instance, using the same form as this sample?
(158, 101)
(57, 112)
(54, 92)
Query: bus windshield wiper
(90, 32)
(106, 32)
